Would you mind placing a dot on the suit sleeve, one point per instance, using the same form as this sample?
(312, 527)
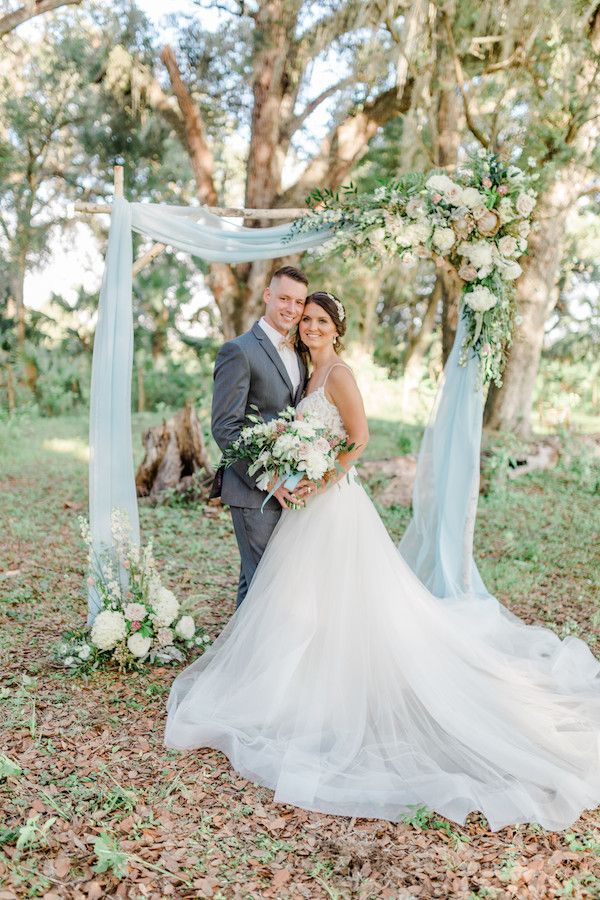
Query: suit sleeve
(230, 398)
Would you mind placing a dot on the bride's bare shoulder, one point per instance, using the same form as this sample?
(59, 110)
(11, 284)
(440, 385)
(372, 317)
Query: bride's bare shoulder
(340, 379)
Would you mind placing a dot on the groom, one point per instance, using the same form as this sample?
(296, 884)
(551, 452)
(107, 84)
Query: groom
(258, 369)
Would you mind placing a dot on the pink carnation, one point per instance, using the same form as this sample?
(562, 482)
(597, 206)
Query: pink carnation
(503, 190)
(486, 182)
(135, 626)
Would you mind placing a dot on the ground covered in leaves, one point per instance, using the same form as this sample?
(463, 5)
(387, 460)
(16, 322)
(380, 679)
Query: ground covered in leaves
(94, 806)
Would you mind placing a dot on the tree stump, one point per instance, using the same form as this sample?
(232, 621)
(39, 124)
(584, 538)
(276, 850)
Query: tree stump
(176, 458)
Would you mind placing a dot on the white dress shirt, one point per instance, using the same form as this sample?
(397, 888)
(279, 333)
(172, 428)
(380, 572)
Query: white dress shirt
(287, 354)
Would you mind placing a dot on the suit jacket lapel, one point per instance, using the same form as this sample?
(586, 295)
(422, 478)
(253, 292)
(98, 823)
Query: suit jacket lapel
(302, 385)
(272, 353)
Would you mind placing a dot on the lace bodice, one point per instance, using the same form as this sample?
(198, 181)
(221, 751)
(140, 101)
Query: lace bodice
(317, 404)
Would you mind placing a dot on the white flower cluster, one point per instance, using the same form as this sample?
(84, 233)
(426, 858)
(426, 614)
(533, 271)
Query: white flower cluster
(287, 446)
(140, 619)
(476, 222)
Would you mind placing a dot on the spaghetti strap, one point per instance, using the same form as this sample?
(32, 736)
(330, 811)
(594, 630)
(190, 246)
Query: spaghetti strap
(330, 370)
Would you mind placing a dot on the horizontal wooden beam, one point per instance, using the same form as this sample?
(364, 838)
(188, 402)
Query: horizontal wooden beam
(223, 211)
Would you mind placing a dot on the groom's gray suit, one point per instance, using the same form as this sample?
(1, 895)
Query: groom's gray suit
(249, 372)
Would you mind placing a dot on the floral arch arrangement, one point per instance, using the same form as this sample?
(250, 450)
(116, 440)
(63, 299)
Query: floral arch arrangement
(475, 224)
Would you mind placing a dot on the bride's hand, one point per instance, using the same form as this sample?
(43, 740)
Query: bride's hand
(307, 488)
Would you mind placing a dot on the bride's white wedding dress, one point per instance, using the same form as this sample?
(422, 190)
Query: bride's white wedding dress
(346, 687)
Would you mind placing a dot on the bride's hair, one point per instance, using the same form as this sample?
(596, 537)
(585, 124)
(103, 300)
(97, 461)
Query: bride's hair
(335, 310)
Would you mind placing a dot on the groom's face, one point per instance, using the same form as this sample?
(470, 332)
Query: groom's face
(284, 303)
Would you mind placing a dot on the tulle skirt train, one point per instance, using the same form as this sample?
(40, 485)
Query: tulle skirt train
(346, 687)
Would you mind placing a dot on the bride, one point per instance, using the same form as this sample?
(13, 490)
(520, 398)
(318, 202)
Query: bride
(344, 685)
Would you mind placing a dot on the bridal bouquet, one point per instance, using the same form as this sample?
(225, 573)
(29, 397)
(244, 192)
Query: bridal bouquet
(474, 224)
(286, 449)
(140, 619)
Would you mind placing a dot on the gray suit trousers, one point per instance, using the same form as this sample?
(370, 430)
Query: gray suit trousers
(252, 531)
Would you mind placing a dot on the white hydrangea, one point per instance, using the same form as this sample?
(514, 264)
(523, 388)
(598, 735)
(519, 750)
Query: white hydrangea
(165, 606)
(525, 204)
(417, 233)
(185, 628)
(135, 612)
(138, 645)
(444, 239)
(479, 252)
(480, 299)
(108, 629)
(507, 245)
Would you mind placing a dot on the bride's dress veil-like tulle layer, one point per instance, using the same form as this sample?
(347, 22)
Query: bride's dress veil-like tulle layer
(347, 687)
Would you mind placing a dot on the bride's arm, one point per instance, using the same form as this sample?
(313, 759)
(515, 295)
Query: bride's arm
(343, 391)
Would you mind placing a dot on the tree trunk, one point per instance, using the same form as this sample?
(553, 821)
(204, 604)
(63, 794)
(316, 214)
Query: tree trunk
(10, 389)
(447, 140)
(413, 362)
(175, 454)
(17, 286)
(141, 398)
(509, 408)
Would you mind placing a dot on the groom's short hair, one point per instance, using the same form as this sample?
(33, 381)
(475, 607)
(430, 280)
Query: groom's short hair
(290, 272)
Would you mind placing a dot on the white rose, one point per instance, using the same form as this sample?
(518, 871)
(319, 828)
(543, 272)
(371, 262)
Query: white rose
(415, 208)
(441, 184)
(522, 244)
(378, 234)
(164, 636)
(505, 210)
(185, 628)
(138, 645)
(511, 270)
(262, 482)
(480, 253)
(108, 629)
(443, 239)
(480, 299)
(507, 245)
(524, 228)
(525, 204)
(165, 607)
(472, 198)
(135, 612)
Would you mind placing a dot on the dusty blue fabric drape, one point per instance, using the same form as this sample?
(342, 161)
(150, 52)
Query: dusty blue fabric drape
(438, 542)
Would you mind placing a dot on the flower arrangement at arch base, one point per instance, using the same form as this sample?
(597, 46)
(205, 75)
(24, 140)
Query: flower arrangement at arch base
(139, 621)
(475, 225)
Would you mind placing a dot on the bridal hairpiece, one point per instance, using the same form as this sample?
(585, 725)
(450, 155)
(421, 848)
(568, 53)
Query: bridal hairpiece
(338, 305)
